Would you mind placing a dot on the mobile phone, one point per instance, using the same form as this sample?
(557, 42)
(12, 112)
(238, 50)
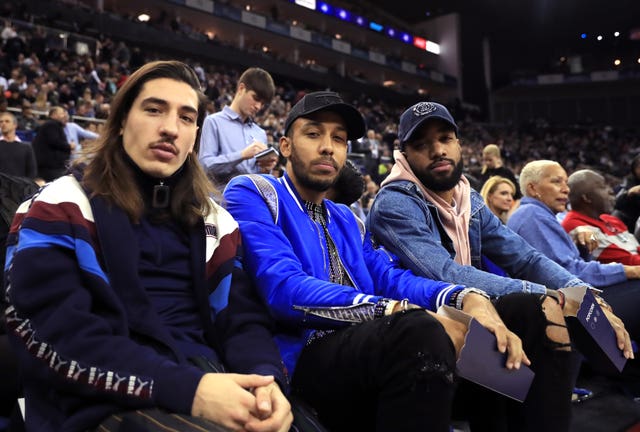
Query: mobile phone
(268, 152)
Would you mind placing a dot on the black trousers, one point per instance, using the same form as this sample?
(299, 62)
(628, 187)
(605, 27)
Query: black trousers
(547, 406)
(394, 374)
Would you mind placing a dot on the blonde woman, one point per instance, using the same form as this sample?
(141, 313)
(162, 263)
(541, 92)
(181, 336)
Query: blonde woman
(492, 165)
(499, 195)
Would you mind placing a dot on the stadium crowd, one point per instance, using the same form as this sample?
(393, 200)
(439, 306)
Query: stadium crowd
(36, 74)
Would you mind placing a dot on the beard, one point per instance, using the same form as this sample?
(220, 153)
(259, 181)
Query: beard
(439, 183)
(302, 174)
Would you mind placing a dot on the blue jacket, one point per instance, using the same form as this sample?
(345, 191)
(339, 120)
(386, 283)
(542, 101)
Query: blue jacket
(408, 225)
(88, 339)
(286, 252)
(537, 224)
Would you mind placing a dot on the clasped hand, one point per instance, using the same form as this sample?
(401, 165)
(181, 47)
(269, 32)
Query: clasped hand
(247, 403)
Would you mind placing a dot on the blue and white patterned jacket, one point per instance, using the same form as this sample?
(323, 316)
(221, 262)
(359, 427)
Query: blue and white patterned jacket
(286, 252)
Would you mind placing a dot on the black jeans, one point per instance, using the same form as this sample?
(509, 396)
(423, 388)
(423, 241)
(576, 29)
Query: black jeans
(548, 403)
(393, 374)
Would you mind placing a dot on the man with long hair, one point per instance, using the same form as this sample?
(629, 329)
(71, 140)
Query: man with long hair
(125, 287)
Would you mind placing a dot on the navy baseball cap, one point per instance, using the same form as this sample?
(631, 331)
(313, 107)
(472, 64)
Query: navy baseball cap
(413, 117)
(331, 101)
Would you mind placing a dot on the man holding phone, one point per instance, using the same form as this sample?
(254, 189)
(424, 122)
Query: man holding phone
(267, 159)
(231, 141)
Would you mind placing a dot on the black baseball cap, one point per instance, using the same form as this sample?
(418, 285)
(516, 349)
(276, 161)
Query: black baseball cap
(420, 113)
(330, 101)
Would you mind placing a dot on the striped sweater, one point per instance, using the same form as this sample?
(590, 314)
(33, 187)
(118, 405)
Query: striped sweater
(88, 339)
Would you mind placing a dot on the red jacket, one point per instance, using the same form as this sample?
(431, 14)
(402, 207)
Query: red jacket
(615, 242)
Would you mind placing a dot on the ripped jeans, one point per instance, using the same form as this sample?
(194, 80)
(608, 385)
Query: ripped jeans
(547, 406)
(393, 374)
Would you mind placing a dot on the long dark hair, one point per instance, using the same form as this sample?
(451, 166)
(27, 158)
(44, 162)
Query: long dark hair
(109, 175)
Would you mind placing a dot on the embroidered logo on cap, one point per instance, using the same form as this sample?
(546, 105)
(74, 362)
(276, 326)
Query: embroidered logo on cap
(424, 108)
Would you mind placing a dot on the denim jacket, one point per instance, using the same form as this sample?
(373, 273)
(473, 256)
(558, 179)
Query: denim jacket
(547, 235)
(407, 224)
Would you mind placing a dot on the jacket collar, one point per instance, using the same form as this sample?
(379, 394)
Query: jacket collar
(288, 184)
(534, 202)
(476, 199)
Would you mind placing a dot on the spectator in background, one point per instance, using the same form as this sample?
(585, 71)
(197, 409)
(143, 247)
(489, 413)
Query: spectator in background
(498, 194)
(627, 206)
(94, 76)
(29, 94)
(98, 100)
(122, 53)
(8, 31)
(492, 165)
(384, 166)
(127, 276)
(15, 96)
(371, 189)
(14, 46)
(348, 189)
(84, 108)
(591, 200)
(41, 103)
(371, 147)
(27, 120)
(4, 84)
(51, 147)
(546, 193)
(9, 128)
(76, 136)
(16, 158)
(231, 138)
(66, 95)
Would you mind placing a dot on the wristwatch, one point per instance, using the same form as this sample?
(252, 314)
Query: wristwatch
(461, 294)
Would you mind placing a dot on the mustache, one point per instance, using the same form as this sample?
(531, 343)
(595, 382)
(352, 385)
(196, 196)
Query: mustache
(440, 160)
(331, 160)
(167, 141)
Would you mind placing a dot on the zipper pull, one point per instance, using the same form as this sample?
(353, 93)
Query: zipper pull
(161, 195)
